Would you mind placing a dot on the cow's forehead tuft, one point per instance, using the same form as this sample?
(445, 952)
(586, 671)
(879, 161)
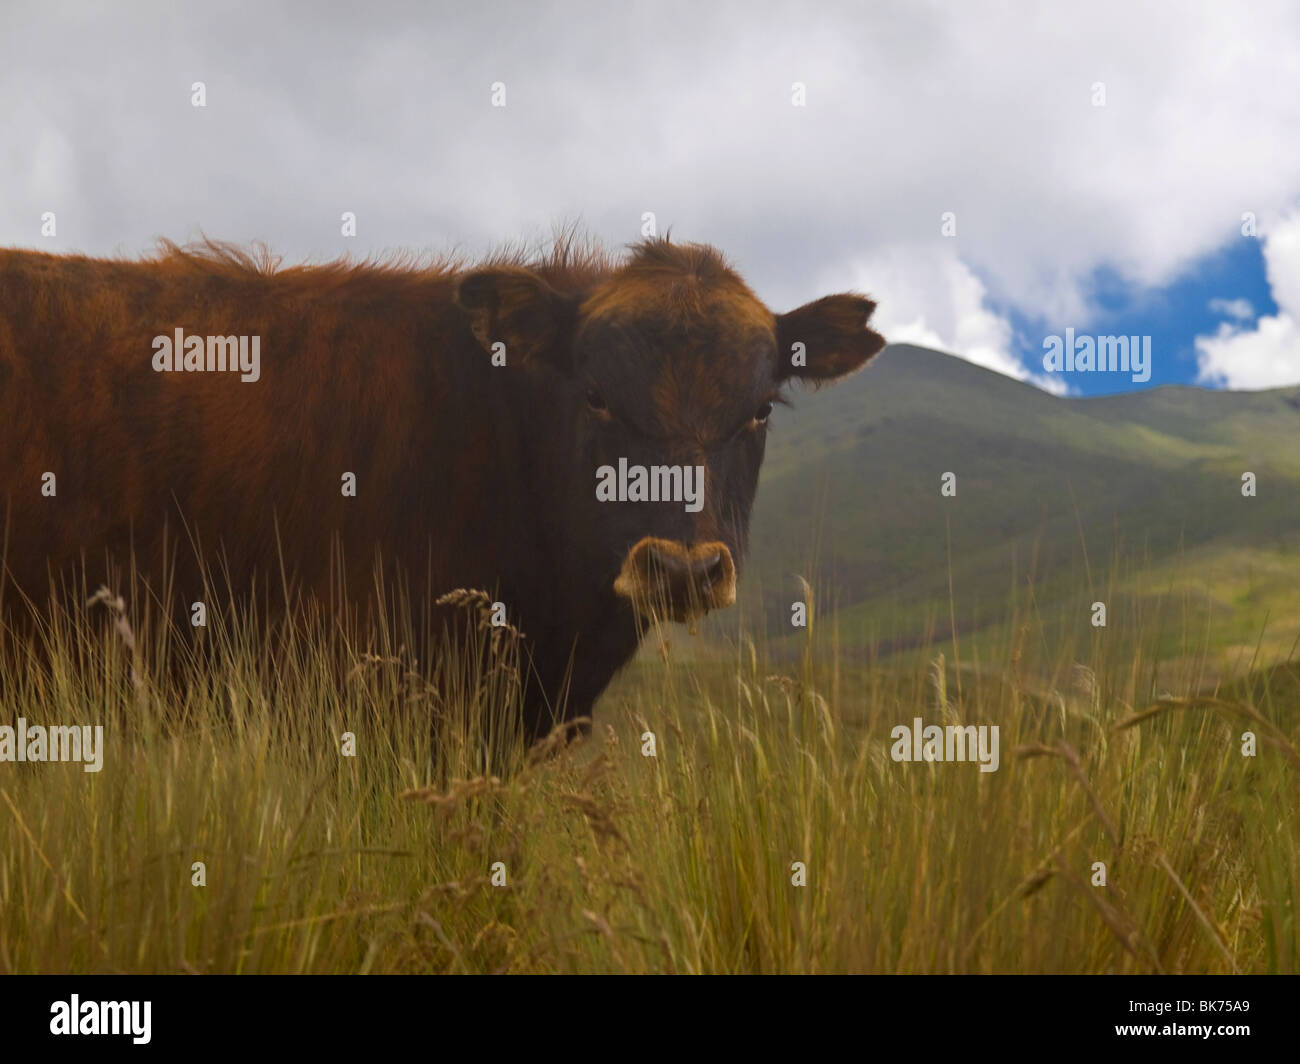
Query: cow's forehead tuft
(677, 287)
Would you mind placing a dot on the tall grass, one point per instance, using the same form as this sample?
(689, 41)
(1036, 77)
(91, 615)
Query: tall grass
(443, 845)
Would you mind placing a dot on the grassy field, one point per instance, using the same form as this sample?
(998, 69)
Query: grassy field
(771, 831)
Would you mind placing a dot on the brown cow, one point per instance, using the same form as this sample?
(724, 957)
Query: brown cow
(581, 435)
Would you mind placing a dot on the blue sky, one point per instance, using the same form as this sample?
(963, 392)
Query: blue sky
(1173, 315)
(1097, 158)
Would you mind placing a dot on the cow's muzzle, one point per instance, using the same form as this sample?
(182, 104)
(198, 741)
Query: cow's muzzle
(669, 581)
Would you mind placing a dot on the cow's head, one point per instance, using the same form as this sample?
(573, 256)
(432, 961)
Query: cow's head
(669, 364)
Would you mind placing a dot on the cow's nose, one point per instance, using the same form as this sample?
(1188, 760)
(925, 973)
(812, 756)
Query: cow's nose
(663, 578)
(682, 569)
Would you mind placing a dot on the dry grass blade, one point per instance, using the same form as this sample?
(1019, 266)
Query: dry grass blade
(461, 790)
(18, 819)
(1121, 925)
(481, 602)
(598, 816)
(1200, 915)
(1071, 757)
(117, 606)
(1028, 750)
(1276, 737)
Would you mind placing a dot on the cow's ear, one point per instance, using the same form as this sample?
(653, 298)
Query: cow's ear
(827, 339)
(516, 307)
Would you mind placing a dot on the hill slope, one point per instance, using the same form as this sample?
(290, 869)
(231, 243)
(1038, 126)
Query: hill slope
(1054, 489)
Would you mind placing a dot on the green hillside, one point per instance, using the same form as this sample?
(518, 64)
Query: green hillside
(1118, 496)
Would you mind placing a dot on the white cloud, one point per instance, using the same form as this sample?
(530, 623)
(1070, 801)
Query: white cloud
(926, 295)
(1268, 355)
(1240, 309)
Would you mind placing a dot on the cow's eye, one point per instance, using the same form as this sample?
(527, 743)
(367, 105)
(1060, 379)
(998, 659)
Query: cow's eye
(597, 401)
(763, 413)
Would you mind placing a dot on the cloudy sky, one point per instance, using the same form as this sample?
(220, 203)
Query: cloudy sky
(993, 173)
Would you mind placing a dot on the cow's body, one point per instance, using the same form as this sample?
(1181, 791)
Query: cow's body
(468, 474)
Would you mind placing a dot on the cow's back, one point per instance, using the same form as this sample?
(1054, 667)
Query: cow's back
(356, 367)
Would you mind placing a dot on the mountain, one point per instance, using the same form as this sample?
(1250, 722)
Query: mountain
(1080, 496)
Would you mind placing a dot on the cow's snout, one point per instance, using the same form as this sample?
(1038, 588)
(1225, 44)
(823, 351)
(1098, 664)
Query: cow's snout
(669, 580)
